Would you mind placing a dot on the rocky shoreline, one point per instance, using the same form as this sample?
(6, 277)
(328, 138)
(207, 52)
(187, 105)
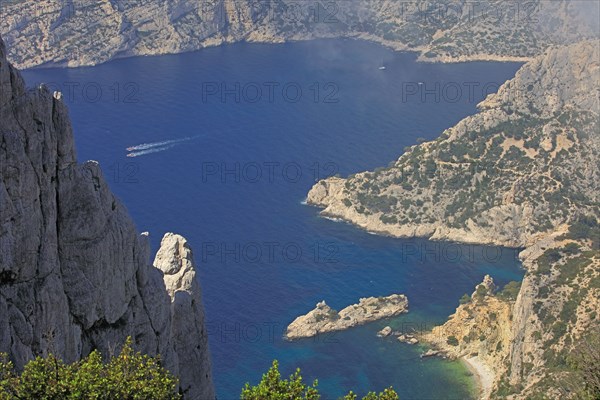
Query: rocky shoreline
(324, 319)
(73, 35)
(330, 195)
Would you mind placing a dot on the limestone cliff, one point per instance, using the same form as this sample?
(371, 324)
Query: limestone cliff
(188, 333)
(74, 273)
(480, 329)
(88, 32)
(523, 172)
(520, 340)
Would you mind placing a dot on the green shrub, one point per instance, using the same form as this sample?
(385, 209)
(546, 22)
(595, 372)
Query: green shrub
(571, 248)
(465, 299)
(452, 341)
(387, 394)
(582, 375)
(272, 386)
(388, 219)
(586, 228)
(547, 260)
(333, 315)
(481, 291)
(559, 329)
(510, 291)
(130, 375)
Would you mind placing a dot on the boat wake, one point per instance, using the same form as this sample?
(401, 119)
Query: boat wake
(150, 151)
(156, 147)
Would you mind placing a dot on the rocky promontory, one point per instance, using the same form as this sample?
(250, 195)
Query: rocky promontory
(325, 319)
(480, 181)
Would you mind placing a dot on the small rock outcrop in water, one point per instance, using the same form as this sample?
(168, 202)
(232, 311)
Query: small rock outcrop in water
(325, 319)
(385, 332)
(74, 273)
(407, 338)
(430, 353)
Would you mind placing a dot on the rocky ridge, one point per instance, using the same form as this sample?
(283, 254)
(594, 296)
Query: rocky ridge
(74, 274)
(524, 173)
(324, 319)
(481, 180)
(78, 32)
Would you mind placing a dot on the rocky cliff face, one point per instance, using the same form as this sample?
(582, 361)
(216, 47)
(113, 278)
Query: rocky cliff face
(188, 332)
(521, 339)
(83, 32)
(523, 172)
(479, 330)
(74, 273)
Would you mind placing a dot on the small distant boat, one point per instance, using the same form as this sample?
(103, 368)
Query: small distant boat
(130, 155)
(420, 83)
(382, 67)
(130, 149)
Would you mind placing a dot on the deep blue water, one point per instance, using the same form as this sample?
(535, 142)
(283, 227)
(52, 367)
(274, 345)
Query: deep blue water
(235, 185)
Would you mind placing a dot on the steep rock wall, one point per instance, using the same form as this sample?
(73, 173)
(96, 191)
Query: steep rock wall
(74, 273)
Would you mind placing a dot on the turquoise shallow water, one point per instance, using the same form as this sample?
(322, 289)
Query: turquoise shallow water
(234, 179)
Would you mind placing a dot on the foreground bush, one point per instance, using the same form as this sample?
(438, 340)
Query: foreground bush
(135, 376)
(272, 387)
(128, 376)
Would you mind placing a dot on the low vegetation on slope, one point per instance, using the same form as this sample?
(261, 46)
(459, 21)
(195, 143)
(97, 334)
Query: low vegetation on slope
(128, 375)
(131, 375)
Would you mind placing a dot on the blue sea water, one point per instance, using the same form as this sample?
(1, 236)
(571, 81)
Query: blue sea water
(248, 129)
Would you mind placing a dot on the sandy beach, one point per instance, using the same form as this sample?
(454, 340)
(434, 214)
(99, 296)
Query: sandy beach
(483, 374)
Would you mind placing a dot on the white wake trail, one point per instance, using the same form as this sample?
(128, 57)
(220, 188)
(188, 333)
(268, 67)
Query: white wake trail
(146, 146)
(150, 151)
